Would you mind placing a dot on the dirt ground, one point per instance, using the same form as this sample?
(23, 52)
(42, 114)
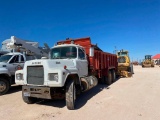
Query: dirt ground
(136, 98)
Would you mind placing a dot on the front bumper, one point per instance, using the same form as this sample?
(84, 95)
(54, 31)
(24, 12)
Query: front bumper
(36, 91)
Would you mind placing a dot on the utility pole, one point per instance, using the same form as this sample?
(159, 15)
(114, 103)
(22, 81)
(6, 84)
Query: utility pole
(115, 49)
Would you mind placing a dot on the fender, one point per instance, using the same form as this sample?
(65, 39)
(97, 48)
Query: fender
(72, 75)
(5, 71)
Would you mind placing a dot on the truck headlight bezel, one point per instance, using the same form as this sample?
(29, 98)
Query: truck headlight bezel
(53, 76)
(19, 76)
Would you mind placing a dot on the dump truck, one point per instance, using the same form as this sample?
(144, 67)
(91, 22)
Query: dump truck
(17, 52)
(125, 67)
(147, 62)
(74, 66)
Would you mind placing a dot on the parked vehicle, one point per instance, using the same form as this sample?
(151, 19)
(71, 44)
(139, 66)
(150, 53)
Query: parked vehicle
(125, 67)
(148, 62)
(74, 66)
(15, 60)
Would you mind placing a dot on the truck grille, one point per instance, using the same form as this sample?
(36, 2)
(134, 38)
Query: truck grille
(35, 75)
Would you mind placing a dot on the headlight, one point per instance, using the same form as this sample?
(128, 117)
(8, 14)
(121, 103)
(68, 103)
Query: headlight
(53, 76)
(19, 76)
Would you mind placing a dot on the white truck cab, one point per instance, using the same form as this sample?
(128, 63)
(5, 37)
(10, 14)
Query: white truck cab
(62, 74)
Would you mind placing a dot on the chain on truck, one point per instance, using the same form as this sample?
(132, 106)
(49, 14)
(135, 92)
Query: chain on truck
(74, 66)
(16, 51)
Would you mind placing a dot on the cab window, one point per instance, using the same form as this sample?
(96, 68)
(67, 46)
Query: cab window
(22, 59)
(15, 59)
(81, 54)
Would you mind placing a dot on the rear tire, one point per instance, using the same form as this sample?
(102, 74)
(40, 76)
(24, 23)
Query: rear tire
(108, 80)
(113, 76)
(28, 100)
(70, 95)
(4, 86)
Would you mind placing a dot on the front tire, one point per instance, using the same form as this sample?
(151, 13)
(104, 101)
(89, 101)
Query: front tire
(4, 86)
(70, 95)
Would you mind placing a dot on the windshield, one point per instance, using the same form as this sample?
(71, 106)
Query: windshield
(148, 57)
(5, 58)
(63, 53)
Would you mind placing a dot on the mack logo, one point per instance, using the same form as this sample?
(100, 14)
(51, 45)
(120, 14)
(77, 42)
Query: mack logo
(58, 63)
(36, 63)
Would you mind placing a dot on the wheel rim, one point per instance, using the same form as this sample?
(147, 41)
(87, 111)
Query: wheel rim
(2, 86)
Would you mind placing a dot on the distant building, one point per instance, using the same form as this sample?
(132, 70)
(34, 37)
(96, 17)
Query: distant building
(156, 59)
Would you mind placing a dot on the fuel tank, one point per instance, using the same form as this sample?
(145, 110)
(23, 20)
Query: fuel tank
(88, 82)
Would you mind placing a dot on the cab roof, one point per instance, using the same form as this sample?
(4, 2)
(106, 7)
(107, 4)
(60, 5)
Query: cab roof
(14, 53)
(84, 42)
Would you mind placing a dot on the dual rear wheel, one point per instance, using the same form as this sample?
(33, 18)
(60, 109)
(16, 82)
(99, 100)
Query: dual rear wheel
(111, 77)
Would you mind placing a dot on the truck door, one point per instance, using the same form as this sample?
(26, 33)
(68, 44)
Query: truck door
(21, 63)
(13, 64)
(82, 63)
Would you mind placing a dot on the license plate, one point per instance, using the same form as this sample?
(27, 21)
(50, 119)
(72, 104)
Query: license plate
(26, 94)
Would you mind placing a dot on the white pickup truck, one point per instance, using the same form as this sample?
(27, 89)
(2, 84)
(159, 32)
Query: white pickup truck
(9, 63)
(13, 61)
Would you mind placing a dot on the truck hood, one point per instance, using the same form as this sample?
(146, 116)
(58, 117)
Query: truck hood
(3, 68)
(55, 63)
(3, 65)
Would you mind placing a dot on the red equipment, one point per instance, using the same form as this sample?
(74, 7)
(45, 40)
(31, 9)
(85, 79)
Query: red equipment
(101, 64)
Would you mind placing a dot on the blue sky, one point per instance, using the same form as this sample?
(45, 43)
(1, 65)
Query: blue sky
(133, 25)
